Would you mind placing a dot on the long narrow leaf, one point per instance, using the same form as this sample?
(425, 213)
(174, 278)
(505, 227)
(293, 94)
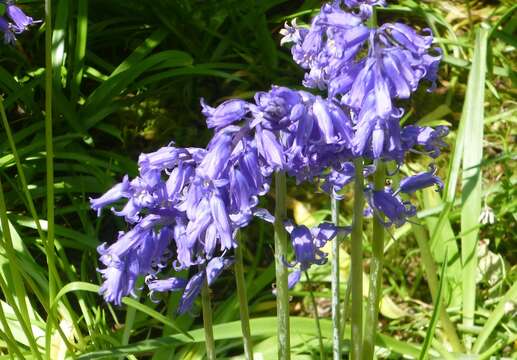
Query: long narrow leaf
(473, 113)
(436, 311)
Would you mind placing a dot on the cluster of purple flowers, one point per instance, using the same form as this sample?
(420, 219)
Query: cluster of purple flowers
(14, 21)
(187, 204)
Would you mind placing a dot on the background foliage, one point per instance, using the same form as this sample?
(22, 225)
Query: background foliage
(128, 76)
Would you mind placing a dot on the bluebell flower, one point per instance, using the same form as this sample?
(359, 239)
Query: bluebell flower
(165, 285)
(119, 279)
(214, 268)
(330, 45)
(431, 140)
(117, 192)
(20, 20)
(339, 177)
(225, 114)
(215, 162)
(293, 278)
(6, 28)
(270, 149)
(307, 244)
(420, 181)
(357, 3)
(389, 204)
(191, 292)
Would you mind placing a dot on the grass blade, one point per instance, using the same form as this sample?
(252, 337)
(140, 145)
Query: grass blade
(262, 327)
(436, 311)
(80, 49)
(84, 286)
(473, 115)
(494, 318)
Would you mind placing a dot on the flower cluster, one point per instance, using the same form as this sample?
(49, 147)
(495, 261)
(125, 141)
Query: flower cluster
(14, 22)
(187, 204)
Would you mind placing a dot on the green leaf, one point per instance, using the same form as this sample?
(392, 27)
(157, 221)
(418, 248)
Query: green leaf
(473, 117)
(83, 286)
(436, 311)
(301, 328)
(494, 318)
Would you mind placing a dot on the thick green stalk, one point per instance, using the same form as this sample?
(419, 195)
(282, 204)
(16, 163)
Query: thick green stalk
(431, 270)
(316, 317)
(282, 293)
(356, 266)
(336, 308)
(49, 146)
(375, 291)
(243, 299)
(207, 319)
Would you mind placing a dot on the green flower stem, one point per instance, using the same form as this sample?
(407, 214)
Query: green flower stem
(282, 293)
(49, 147)
(356, 266)
(316, 317)
(336, 308)
(375, 290)
(207, 319)
(243, 299)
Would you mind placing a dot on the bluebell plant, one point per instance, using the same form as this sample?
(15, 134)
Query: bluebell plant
(186, 206)
(14, 21)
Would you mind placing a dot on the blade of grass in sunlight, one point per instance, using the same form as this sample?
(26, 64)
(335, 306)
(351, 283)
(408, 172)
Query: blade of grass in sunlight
(262, 327)
(473, 113)
(81, 36)
(436, 311)
(494, 318)
(82, 286)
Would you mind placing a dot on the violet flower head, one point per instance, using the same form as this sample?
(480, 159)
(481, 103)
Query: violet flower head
(225, 114)
(334, 38)
(340, 176)
(431, 140)
(213, 270)
(15, 22)
(419, 181)
(307, 244)
(119, 277)
(6, 28)
(117, 192)
(191, 292)
(389, 204)
(20, 20)
(364, 6)
(165, 285)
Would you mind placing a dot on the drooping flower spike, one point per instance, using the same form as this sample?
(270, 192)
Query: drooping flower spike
(396, 60)
(187, 204)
